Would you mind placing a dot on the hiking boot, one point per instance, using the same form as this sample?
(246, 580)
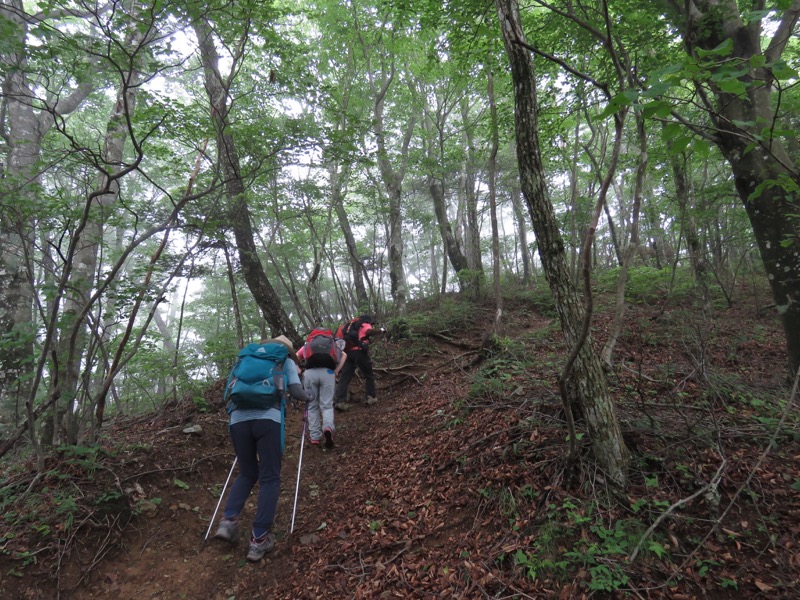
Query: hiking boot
(342, 406)
(260, 546)
(228, 530)
(328, 438)
(371, 400)
(314, 442)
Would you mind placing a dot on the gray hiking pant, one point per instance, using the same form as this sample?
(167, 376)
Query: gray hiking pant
(320, 410)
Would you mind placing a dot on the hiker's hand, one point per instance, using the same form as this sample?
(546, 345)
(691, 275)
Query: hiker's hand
(310, 395)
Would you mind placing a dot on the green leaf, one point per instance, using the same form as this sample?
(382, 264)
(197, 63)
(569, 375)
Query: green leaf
(631, 95)
(733, 86)
(659, 108)
(724, 49)
(657, 89)
(680, 144)
(615, 105)
(701, 148)
(671, 131)
(181, 484)
(780, 70)
(751, 16)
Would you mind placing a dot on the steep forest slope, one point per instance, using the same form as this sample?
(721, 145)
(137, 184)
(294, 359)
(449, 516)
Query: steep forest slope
(453, 485)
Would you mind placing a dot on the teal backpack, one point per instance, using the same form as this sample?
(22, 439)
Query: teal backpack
(257, 379)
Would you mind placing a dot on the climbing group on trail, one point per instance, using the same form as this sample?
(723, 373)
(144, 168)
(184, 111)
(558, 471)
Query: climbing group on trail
(319, 375)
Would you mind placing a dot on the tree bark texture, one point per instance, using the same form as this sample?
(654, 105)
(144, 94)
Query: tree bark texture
(337, 198)
(452, 248)
(765, 176)
(589, 381)
(522, 232)
(238, 211)
(630, 250)
(393, 180)
(25, 128)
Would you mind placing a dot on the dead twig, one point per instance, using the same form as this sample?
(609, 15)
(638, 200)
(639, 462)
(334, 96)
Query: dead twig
(676, 505)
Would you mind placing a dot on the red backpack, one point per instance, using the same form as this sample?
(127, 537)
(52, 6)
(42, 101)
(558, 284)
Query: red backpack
(349, 332)
(320, 350)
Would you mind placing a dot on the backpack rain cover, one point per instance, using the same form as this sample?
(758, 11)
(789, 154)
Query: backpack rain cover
(321, 351)
(252, 382)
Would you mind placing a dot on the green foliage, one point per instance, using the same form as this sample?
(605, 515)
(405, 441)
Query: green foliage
(575, 538)
(506, 369)
(85, 458)
(648, 285)
(495, 379)
(736, 395)
(538, 298)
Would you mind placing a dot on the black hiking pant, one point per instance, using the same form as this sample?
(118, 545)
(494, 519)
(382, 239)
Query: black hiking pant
(355, 359)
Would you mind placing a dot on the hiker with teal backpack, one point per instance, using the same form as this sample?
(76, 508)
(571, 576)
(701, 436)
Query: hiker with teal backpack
(262, 374)
(323, 358)
(357, 336)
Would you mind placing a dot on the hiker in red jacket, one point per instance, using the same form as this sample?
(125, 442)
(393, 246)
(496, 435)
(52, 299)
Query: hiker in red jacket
(357, 334)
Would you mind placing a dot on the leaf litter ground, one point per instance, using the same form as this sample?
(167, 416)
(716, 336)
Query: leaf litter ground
(436, 492)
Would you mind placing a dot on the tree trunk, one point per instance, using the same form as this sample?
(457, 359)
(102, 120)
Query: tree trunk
(492, 185)
(633, 244)
(72, 339)
(393, 180)
(694, 244)
(472, 229)
(522, 229)
(589, 382)
(237, 315)
(335, 176)
(764, 174)
(24, 132)
(238, 211)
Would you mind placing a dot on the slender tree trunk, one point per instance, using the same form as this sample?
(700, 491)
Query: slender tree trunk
(522, 232)
(472, 229)
(72, 340)
(694, 244)
(631, 249)
(237, 315)
(336, 177)
(393, 180)
(435, 151)
(492, 185)
(589, 382)
(24, 131)
(238, 211)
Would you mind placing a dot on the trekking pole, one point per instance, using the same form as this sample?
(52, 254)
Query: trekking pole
(299, 466)
(221, 495)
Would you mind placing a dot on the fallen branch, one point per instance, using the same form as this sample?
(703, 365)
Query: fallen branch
(453, 342)
(770, 445)
(710, 485)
